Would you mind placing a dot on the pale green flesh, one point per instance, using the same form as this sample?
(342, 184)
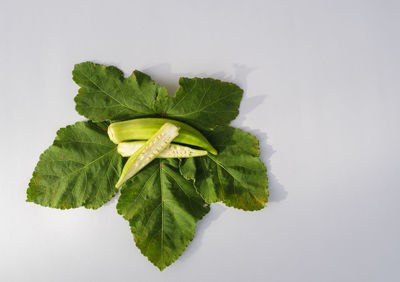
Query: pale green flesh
(127, 149)
(148, 151)
(144, 128)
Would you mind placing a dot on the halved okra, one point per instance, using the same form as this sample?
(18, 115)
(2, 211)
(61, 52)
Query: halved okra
(144, 128)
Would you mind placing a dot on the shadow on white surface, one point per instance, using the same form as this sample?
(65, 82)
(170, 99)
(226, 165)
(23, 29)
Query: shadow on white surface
(276, 190)
(215, 212)
(114, 200)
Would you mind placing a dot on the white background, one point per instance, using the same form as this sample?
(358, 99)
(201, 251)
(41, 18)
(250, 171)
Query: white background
(321, 81)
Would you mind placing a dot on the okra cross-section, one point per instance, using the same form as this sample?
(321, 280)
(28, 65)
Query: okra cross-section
(127, 149)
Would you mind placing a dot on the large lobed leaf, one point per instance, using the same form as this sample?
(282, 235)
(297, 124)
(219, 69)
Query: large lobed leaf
(79, 169)
(204, 102)
(235, 176)
(106, 95)
(162, 208)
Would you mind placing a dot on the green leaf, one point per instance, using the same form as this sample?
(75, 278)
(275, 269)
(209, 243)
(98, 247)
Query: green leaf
(235, 176)
(106, 95)
(187, 168)
(79, 169)
(162, 209)
(204, 102)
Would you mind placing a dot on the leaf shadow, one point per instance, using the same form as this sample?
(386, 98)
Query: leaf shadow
(276, 190)
(113, 201)
(215, 212)
(162, 74)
